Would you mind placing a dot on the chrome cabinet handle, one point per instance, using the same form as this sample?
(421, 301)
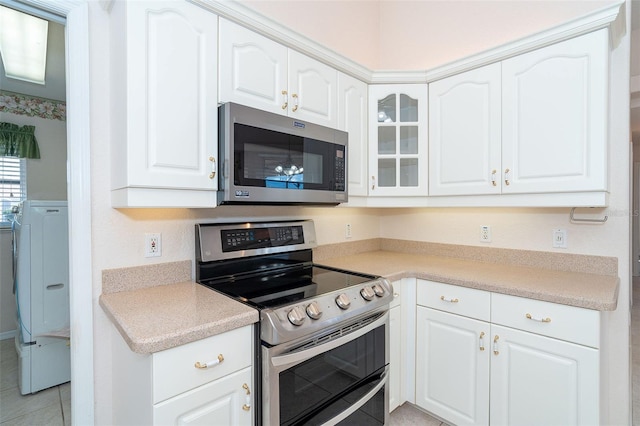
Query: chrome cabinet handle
(209, 364)
(213, 168)
(373, 182)
(495, 345)
(295, 102)
(532, 318)
(506, 176)
(285, 99)
(449, 300)
(493, 177)
(482, 341)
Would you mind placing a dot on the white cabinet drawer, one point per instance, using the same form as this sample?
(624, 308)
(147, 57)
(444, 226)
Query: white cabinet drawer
(174, 370)
(455, 299)
(222, 402)
(564, 322)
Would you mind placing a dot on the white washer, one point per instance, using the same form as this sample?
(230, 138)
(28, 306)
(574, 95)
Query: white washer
(42, 294)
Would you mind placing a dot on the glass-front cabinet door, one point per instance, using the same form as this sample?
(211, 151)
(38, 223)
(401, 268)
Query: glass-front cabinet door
(398, 137)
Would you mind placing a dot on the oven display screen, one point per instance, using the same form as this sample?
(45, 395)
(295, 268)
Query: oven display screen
(258, 238)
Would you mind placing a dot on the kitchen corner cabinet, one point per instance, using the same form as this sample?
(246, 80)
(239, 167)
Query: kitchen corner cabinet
(164, 141)
(533, 123)
(261, 73)
(398, 140)
(486, 358)
(353, 118)
(168, 387)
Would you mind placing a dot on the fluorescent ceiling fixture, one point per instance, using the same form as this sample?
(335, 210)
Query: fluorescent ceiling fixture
(23, 45)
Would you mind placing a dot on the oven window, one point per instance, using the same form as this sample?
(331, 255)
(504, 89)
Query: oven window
(316, 390)
(266, 158)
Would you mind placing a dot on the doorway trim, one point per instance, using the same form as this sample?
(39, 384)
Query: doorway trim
(78, 94)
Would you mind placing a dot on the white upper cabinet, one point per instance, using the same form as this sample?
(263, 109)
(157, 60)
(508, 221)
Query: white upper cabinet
(253, 69)
(533, 123)
(554, 117)
(164, 145)
(313, 90)
(398, 140)
(353, 118)
(465, 133)
(261, 73)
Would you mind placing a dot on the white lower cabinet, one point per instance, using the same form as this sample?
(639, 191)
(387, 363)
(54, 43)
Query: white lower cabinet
(452, 367)
(209, 381)
(536, 380)
(215, 403)
(471, 369)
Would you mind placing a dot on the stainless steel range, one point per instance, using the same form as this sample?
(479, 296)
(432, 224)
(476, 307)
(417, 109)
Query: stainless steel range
(323, 332)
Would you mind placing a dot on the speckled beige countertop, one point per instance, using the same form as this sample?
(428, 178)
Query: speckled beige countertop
(585, 290)
(152, 317)
(157, 307)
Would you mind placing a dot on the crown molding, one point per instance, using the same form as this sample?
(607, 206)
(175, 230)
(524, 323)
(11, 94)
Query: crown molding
(601, 18)
(249, 18)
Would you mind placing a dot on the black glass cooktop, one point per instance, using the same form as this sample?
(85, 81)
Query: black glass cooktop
(284, 285)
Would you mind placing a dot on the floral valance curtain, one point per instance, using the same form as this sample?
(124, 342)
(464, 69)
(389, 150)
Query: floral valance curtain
(18, 141)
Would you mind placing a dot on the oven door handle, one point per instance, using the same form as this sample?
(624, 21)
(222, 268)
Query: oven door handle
(297, 357)
(357, 405)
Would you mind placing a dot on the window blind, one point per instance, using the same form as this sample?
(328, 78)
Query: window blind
(12, 185)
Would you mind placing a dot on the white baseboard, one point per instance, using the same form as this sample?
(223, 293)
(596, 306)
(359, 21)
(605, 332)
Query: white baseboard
(8, 334)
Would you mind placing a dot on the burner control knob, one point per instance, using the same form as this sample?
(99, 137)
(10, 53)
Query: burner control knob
(296, 316)
(367, 293)
(343, 301)
(313, 310)
(379, 290)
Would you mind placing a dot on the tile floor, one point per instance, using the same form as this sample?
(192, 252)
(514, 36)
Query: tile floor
(48, 407)
(410, 415)
(53, 406)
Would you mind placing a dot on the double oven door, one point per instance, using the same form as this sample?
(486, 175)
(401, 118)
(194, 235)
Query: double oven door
(336, 378)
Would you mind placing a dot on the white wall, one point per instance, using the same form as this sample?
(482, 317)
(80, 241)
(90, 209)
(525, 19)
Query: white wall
(349, 27)
(46, 176)
(419, 34)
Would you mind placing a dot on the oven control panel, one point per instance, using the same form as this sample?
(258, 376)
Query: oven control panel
(222, 241)
(259, 238)
(303, 318)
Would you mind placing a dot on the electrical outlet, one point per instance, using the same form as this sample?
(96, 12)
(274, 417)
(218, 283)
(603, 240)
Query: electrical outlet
(152, 245)
(560, 238)
(485, 234)
(347, 231)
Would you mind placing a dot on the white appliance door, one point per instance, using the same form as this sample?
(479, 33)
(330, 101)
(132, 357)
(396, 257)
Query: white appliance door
(49, 270)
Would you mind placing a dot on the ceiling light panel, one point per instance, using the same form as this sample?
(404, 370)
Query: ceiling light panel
(23, 45)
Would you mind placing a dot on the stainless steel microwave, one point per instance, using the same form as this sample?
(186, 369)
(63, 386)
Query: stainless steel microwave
(268, 158)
